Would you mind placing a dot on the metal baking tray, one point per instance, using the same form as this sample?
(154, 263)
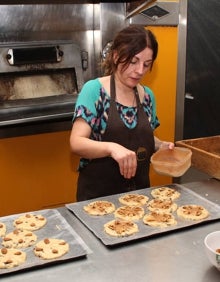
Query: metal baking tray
(96, 223)
(56, 227)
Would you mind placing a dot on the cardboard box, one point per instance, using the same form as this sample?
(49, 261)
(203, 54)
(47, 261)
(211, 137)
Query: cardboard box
(205, 154)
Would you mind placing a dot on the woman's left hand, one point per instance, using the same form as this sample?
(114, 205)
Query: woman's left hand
(166, 145)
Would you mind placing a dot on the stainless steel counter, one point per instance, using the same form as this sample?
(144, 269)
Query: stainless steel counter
(176, 256)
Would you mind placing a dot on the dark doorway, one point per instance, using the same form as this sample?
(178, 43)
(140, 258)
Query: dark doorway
(202, 102)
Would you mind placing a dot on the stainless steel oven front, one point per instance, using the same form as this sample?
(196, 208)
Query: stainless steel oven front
(39, 81)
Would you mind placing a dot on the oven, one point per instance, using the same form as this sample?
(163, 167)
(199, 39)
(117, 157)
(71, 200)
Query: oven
(39, 81)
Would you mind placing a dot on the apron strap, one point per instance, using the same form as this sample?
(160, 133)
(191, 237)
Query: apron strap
(137, 97)
(112, 88)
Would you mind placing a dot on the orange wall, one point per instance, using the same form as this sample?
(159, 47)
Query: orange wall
(162, 80)
(37, 172)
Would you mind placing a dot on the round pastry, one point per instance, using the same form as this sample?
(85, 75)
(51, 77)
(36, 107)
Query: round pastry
(161, 205)
(193, 212)
(51, 248)
(120, 228)
(129, 212)
(165, 193)
(99, 208)
(30, 222)
(19, 239)
(11, 257)
(159, 219)
(133, 200)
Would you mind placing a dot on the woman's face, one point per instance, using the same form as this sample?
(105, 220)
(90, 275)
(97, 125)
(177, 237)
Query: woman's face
(139, 66)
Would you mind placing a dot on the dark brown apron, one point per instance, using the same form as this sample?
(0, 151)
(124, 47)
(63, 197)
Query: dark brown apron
(101, 177)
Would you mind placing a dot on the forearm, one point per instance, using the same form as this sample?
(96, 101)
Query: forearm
(82, 145)
(89, 149)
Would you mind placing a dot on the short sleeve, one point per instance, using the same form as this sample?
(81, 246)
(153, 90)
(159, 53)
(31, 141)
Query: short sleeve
(86, 102)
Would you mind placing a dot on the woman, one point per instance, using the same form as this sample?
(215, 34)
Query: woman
(114, 120)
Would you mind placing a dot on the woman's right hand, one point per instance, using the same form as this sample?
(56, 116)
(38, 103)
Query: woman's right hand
(126, 159)
(83, 146)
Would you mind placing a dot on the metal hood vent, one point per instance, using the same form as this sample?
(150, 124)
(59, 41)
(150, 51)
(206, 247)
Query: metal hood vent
(155, 12)
(158, 13)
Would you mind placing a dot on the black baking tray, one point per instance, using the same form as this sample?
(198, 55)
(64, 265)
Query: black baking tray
(56, 227)
(96, 223)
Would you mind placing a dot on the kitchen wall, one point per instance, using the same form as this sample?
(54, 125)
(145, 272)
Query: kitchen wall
(37, 172)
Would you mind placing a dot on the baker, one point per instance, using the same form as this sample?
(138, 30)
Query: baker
(114, 119)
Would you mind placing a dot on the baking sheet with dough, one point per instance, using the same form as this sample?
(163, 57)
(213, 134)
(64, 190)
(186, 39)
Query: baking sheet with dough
(56, 227)
(96, 223)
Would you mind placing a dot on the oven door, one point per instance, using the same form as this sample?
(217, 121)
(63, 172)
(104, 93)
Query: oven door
(39, 83)
(32, 96)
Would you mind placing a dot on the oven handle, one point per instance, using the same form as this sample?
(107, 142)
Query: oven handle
(34, 55)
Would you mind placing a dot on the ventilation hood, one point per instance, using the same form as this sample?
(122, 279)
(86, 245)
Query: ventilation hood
(155, 13)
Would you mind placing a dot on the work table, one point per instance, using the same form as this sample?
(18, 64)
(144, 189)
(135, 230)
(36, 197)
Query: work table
(175, 256)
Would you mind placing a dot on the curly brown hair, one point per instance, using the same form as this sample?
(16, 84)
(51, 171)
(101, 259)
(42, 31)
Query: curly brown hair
(127, 43)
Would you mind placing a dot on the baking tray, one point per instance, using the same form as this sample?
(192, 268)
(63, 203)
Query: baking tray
(56, 227)
(96, 223)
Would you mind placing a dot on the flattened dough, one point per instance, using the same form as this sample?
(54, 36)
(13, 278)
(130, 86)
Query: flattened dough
(99, 208)
(51, 248)
(193, 212)
(10, 258)
(129, 212)
(161, 205)
(120, 228)
(30, 222)
(165, 193)
(19, 239)
(159, 219)
(133, 200)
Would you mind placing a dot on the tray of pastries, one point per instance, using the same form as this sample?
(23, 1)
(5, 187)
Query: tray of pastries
(144, 213)
(36, 239)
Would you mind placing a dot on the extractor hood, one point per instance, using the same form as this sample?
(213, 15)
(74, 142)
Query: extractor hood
(155, 13)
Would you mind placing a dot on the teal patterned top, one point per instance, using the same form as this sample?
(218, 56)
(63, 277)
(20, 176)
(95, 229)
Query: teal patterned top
(93, 106)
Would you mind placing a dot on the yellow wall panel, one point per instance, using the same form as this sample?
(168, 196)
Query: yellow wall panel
(162, 80)
(37, 172)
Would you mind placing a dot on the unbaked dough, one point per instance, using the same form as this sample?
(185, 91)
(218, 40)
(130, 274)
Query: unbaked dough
(165, 193)
(51, 248)
(11, 257)
(129, 212)
(161, 205)
(19, 239)
(159, 219)
(99, 208)
(120, 228)
(30, 222)
(193, 212)
(133, 200)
